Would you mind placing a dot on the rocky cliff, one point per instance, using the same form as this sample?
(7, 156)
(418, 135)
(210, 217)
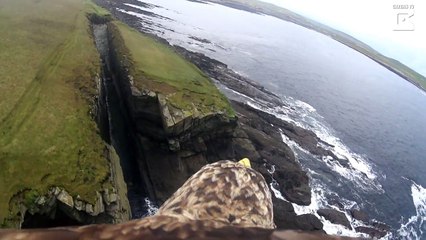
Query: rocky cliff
(167, 98)
(174, 140)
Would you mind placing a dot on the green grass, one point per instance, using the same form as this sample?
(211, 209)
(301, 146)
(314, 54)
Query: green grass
(157, 67)
(48, 65)
(48, 68)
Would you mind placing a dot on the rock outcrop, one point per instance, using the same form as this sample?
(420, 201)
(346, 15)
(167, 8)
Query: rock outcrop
(267, 141)
(372, 232)
(58, 204)
(153, 106)
(375, 229)
(335, 216)
(286, 218)
(359, 215)
(171, 140)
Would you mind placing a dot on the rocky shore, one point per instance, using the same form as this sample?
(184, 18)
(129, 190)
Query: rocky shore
(166, 158)
(166, 163)
(162, 122)
(259, 124)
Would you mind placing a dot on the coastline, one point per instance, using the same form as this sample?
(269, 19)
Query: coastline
(265, 123)
(171, 155)
(391, 64)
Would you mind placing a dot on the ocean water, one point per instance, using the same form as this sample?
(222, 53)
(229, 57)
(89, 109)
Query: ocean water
(370, 116)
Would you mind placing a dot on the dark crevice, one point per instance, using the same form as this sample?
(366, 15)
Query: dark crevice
(60, 219)
(117, 128)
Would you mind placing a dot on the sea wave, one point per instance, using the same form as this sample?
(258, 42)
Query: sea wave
(319, 201)
(150, 207)
(415, 226)
(304, 115)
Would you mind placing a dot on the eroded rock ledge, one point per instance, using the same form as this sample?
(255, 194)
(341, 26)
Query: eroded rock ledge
(152, 102)
(58, 207)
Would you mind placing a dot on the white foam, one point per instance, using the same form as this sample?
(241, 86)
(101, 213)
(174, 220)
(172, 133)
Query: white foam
(305, 106)
(318, 201)
(359, 171)
(304, 115)
(415, 226)
(274, 184)
(151, 208)
(276, 192)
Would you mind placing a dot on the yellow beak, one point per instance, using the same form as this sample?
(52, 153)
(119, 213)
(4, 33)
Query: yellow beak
(245, 162)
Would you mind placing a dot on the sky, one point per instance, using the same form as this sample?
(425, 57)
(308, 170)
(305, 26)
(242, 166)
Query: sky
(373, 22)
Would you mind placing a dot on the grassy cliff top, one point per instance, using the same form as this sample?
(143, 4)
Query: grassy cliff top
(48, 68)
(157, 67)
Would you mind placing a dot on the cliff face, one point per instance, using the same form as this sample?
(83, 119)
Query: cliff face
(175, 142)
(170, 121)
(167, 97)
(176, 136)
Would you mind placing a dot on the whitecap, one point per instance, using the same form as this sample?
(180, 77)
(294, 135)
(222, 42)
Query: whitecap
(150, 207)
(415, 226)
(304, 115)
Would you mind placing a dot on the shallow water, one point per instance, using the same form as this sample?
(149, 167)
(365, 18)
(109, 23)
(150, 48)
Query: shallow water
(371, 116)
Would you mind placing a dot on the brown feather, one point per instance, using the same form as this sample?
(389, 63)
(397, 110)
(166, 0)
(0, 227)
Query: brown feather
(227, 193)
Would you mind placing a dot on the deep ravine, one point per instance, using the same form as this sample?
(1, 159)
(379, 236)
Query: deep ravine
(117, 128)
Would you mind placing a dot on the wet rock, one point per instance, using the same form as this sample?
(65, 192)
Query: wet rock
(286, 218)
(292, 186)
(335, 216)
(380, 226)
(359, 215)
(343, 162)
(334, 200)
(372, 232)
(293, 181)
(308, 222)
(284, 215)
